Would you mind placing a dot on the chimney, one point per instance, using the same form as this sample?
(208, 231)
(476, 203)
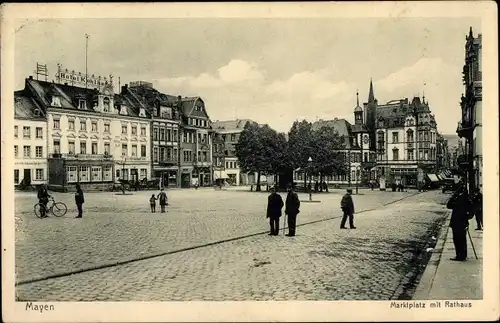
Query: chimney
(30, 77)
(124, 88)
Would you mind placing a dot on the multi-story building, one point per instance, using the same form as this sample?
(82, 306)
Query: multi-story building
(196, 143)
(30, 141)
(165, 120)
(93, 136)
(405, 136)
(443, 159)
(229, 133)
(218, 157)
(470, 127)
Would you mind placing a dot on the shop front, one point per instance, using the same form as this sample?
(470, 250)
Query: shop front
(167, 177)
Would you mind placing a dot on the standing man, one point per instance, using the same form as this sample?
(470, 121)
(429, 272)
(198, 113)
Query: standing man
(274, 206)
(347, 206)
(292, 209)
(79, 200)
(460, 206)
(477, 203)
(163, 200)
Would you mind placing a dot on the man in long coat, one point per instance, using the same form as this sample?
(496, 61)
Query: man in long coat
(162, 197)
(460, 205)
(347, 206)
(274, 206)
(292, 206)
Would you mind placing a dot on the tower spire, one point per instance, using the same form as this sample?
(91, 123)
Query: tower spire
(371, 96)
(357, 98)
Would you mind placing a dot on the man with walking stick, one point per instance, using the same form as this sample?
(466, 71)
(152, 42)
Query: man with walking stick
(274, 206)
(461, 208)
(291, 210)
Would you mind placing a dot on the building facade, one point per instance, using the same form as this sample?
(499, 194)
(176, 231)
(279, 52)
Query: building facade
(93, 136)
(405, 140)
(195, 144)
(218, 157)
(228, 133)
(470, 127)
(30, 141)
(165, 120)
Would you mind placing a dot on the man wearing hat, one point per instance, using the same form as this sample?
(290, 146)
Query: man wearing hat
(461, 208)
(274, 206)
(347, 206)
(292, 206)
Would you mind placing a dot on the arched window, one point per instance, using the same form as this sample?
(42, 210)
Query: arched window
(106, 105)
(409, 135)
(395, 154)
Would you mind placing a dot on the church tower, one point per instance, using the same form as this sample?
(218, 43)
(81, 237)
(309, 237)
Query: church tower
(358, 112)
(370, 111)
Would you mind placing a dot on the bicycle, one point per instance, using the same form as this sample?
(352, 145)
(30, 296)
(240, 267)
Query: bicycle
(57, 208)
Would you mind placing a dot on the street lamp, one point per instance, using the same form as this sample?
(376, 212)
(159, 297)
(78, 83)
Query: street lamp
(309, 162)
(123, 173)
(358, 168)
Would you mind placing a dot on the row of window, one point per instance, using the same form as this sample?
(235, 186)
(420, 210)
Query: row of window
(188, 156)
(189, 137)
(164, 154)
(163, 134)
(27, 151)
(423, 155)
(422, 136)
(95, 128)
(198, 122)
(231, 164)
(94, 148)
(27, 132)
(39, 175)
(101, 174)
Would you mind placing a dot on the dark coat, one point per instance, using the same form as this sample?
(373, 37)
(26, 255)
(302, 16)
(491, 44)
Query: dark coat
(292, 204)
(43, 195)
(163, 198)
(274, 205)
(461, 207)
(79, 198)
(347, 205)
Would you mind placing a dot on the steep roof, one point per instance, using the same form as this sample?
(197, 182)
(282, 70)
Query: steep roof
(26, 108)
(342, 126)
(230, 124)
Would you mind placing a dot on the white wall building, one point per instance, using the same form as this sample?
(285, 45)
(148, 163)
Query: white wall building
(30, 141)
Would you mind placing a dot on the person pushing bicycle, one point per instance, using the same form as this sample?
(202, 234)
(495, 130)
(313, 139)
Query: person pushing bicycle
(43, 198)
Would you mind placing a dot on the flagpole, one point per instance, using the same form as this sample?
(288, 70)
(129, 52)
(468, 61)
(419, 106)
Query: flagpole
(86, 54)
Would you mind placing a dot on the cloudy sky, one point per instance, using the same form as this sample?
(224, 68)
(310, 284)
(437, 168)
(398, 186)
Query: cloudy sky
(270, 70)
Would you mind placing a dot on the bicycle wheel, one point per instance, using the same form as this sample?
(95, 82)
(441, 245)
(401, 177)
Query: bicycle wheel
(59, 209)
(38, 210)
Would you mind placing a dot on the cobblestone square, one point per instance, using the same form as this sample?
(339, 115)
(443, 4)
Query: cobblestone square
(213, 245)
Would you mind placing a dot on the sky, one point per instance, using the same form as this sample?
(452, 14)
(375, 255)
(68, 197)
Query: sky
(272, 71)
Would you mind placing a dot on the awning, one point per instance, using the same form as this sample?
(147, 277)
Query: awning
(433, 177)
(220, 174)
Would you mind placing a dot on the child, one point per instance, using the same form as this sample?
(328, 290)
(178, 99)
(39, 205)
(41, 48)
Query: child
(152, 201)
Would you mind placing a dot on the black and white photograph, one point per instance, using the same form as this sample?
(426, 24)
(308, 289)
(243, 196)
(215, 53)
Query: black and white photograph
(230, 162)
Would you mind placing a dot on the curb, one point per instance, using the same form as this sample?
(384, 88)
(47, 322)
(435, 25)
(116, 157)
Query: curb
(427, 280)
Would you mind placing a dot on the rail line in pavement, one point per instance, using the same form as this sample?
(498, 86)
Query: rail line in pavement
(161, 254)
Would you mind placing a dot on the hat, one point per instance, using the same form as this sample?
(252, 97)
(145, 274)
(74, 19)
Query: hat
(349, 190)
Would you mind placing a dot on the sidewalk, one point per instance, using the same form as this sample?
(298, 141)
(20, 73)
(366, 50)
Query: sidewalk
(444, 279)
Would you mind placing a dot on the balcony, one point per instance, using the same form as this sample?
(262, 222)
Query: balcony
(81, 156)
(202, 163)
(464, 128)
(168, 162)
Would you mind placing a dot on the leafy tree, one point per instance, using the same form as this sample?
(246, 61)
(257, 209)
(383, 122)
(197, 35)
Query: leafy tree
(300, 138)
(250, 150)
(328, 157)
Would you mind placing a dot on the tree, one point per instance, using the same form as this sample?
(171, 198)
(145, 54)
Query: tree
(328, 156)
(300, 138)
(250, 150)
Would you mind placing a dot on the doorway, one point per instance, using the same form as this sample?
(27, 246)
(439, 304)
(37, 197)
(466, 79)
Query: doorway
(27, 176)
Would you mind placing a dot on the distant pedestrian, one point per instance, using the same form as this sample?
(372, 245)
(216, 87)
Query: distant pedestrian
(163, 200)
(274, 206)
(347, 206)
(316, 185)
(325, 186)
(460, 205)
(477, 204)
(152, 203)
(292, 206)
(79, 200)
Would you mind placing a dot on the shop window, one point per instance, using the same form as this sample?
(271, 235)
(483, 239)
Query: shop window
(71, 173)
(84, 173)
(39, 174)
(96, 173)
(106, 172)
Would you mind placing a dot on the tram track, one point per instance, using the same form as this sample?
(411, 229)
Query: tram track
(166, 253)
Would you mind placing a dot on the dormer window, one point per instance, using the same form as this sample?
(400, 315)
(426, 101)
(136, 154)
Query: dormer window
(142, 112)
(56, 101)
(36, 112)
(82, 104)
(123, 110)
(105, 107)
